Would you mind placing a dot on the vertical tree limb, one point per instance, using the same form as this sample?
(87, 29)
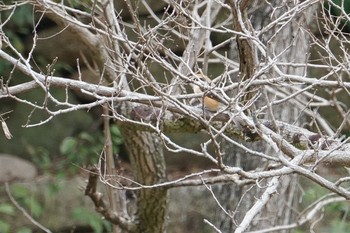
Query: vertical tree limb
(147, 160)
(246, 49)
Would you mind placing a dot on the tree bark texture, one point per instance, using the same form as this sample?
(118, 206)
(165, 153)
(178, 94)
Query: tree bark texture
(279, 210)
(147, 160)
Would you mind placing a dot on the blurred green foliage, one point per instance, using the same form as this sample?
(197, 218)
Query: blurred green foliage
(27, 199)
(6, 208)
(339, 226)
(338, 8)
(75, 152)
(91, 218)
(24, 230)
(4, 226)
(20, 25)
(333, 218)
(86, 148)
(35, 202)
(60, 147)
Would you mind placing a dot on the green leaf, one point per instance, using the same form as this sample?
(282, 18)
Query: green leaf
(34, 206)
(4, 227)
(115, 131)
(7, 209)
(20, 191)
(86, 216)
(116, 136)
(24, 230)
(107, 226)
(87, 137)
(96, 224)
(68, 145)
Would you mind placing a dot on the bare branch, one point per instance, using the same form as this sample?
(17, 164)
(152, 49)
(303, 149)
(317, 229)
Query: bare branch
(24, 212)
(101, 206)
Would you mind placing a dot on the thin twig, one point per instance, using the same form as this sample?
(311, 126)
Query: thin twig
(24, 212)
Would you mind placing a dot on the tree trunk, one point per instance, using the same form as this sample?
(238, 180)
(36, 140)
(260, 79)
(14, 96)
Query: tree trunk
(279, 210)
(147, 160)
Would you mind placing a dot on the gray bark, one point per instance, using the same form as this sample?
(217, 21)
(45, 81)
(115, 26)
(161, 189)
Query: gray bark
(238, 200)
(147, 160)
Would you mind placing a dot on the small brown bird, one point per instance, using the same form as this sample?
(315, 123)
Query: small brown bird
(209, 101)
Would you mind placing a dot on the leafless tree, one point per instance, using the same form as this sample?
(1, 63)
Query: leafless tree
(265, 87)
